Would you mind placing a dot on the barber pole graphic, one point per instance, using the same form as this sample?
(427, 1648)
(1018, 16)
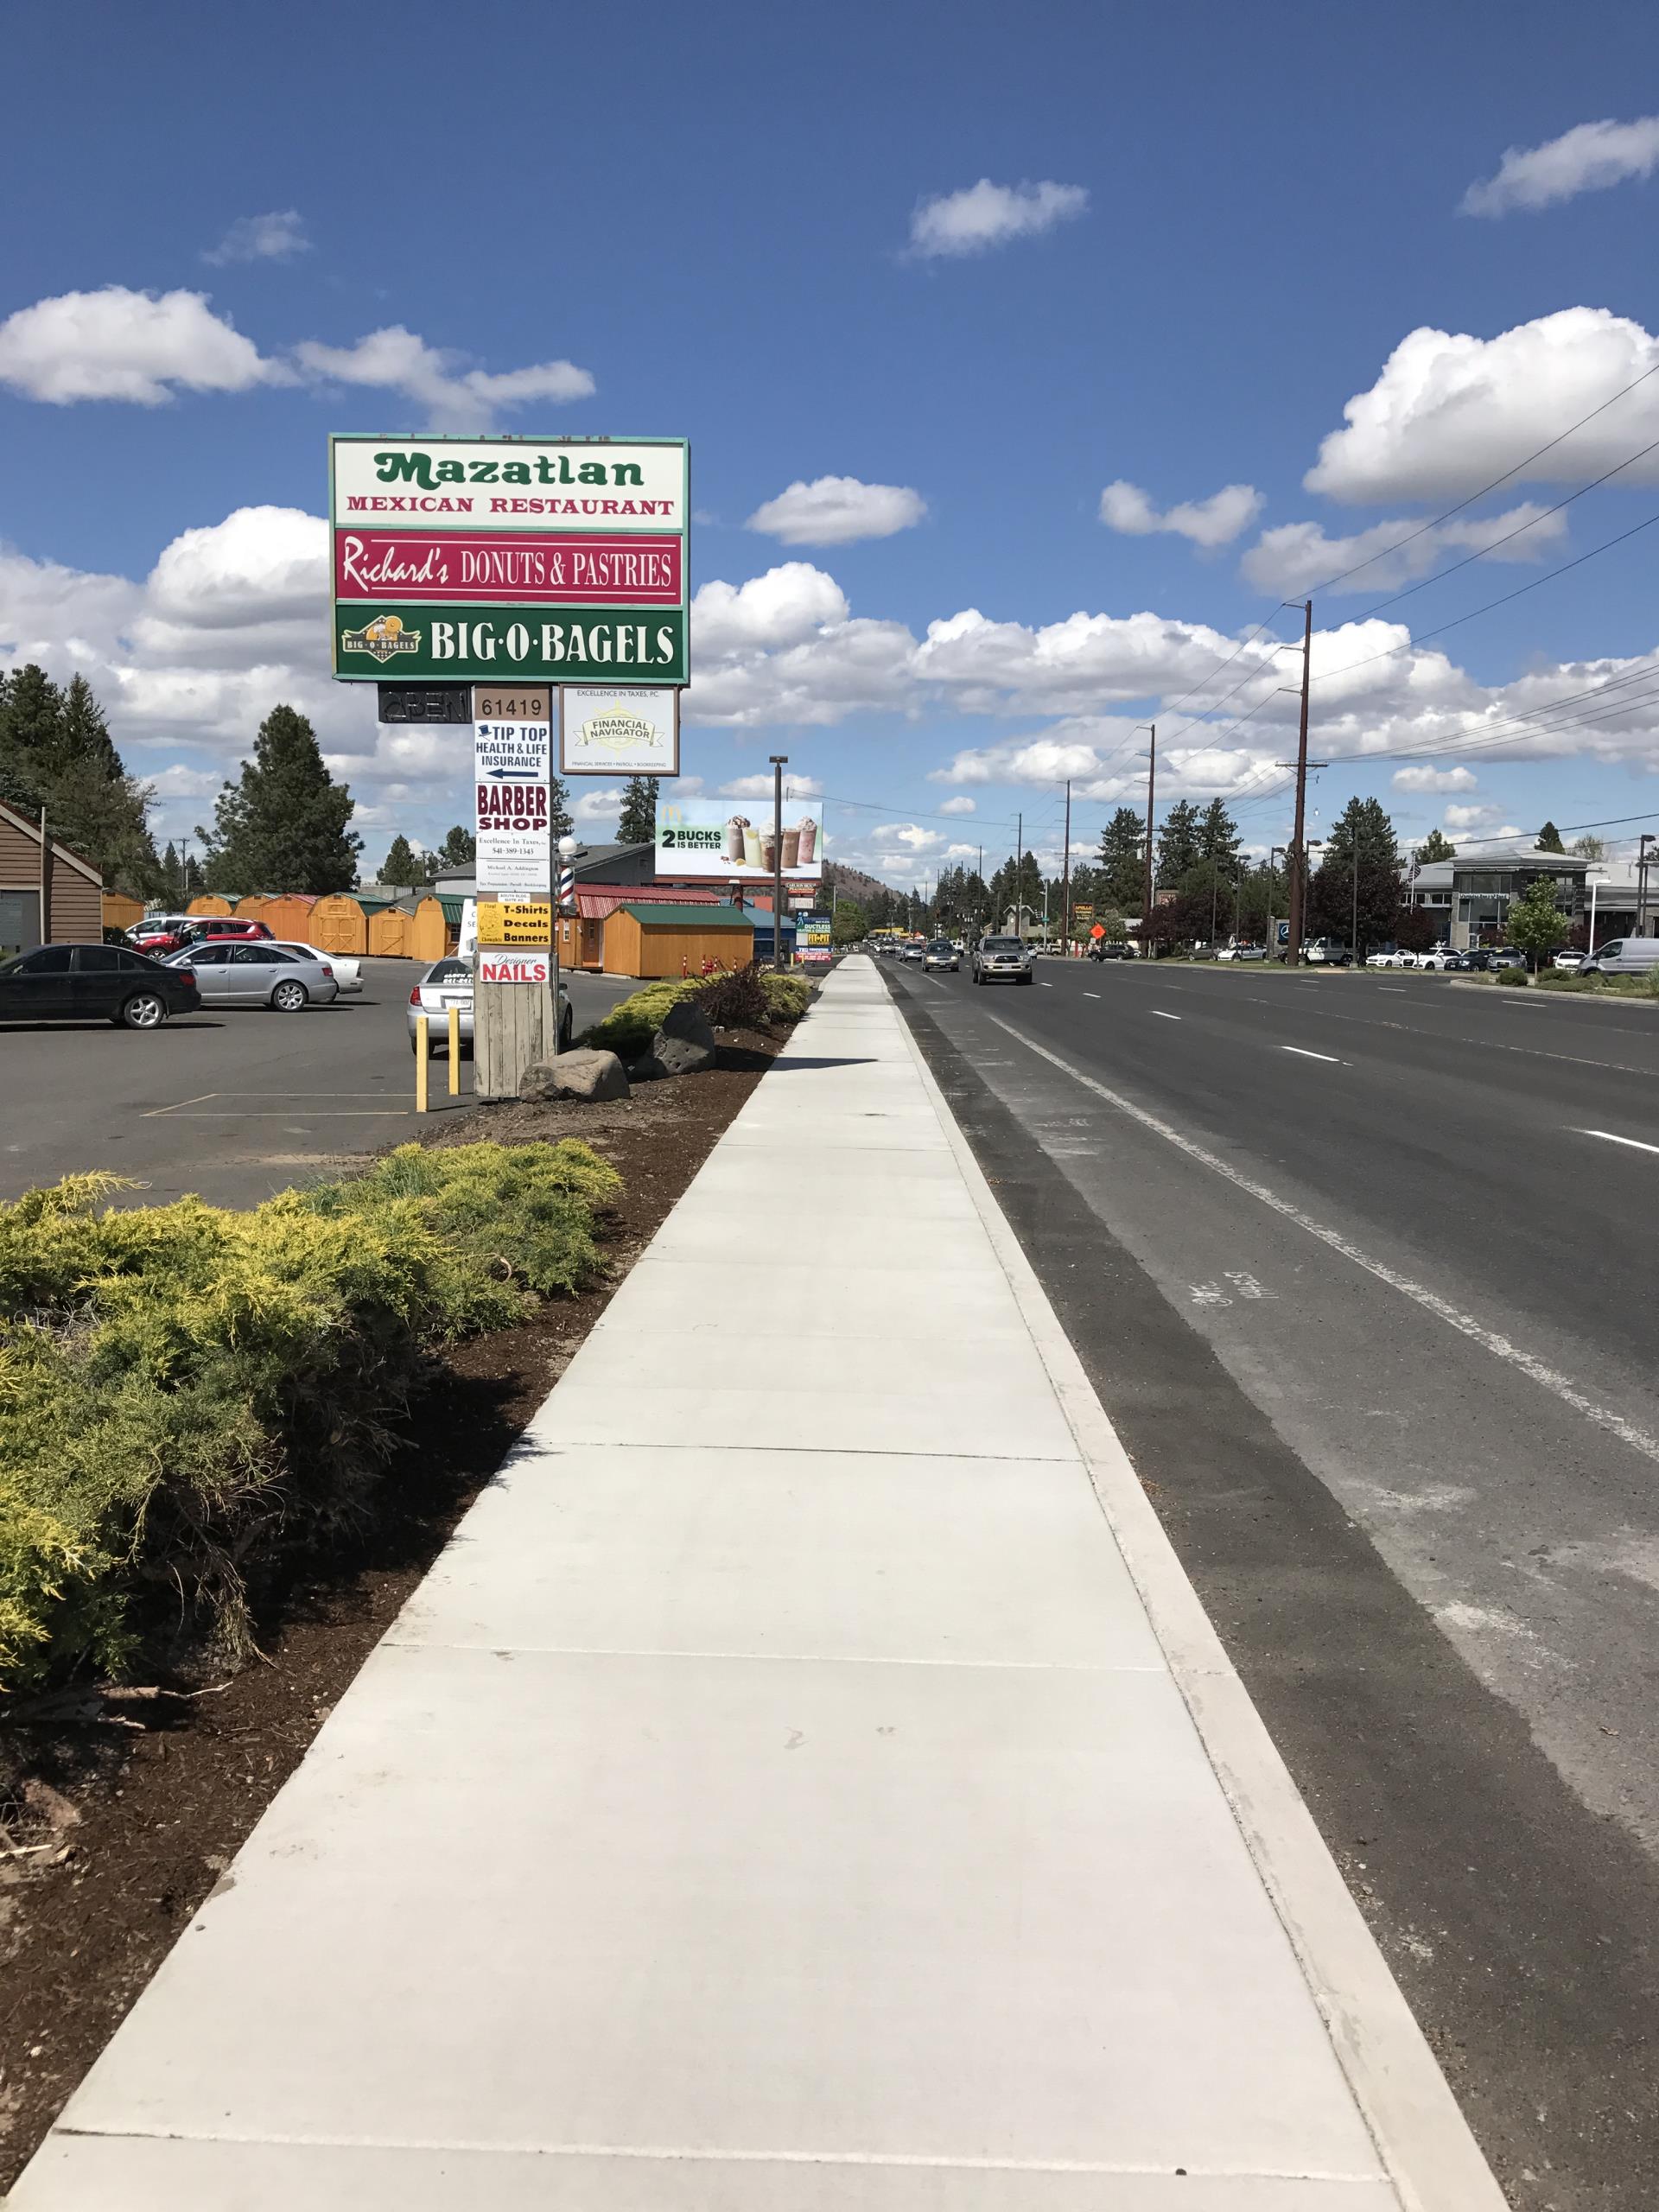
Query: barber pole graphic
(567, 889)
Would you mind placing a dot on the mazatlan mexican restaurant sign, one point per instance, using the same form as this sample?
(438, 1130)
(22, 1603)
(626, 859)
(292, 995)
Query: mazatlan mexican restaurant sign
(526, 559)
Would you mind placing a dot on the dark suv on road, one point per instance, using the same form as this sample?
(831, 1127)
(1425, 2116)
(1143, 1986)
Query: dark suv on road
(93, 983)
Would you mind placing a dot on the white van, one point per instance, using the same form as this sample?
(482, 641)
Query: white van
(1622, 955)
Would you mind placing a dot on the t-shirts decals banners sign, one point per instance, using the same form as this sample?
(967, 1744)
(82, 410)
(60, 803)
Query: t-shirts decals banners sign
(710, 836)
(543, 560)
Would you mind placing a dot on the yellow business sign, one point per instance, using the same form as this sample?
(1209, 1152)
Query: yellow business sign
(515, 921)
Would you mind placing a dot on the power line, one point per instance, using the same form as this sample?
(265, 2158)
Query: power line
(1458, 621)
(1434, 522)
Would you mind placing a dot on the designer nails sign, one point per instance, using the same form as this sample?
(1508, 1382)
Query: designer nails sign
(712, 837)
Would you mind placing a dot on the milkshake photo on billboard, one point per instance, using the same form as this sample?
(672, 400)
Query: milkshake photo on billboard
(712, 837)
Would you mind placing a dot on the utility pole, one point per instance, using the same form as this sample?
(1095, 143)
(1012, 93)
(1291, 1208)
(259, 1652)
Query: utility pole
(1065, 880)
(1647, 839)
(1145, 903)
(1299, 857)
(779, 761)
(1018, 876)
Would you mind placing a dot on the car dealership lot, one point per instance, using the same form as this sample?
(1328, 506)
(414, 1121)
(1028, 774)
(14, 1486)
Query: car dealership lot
(234, 1104)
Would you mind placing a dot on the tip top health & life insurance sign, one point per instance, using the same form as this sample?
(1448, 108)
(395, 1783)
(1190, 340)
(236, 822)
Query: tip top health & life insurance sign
(517, 560)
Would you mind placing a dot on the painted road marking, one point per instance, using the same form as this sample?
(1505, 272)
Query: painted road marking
(1162, 1016)
(1091, 994)
(1551, 1379)
(1302, 1053)
(1608, 1137)
(1398, 989)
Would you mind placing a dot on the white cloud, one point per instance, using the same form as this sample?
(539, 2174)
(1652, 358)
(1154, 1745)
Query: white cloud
(987, 214)
(1450, 413)
(1485, 821)
(1588, 158)
(396, 360)
(1433, 780)
(958, 803)
(837, 511)
(1215, 521)
(275, 237)
(785, 606)
(759, 786)
(139, 346)
(1297, 555)
(598, 804)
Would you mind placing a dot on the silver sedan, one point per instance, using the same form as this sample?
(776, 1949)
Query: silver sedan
(448, 983)
(257, 974)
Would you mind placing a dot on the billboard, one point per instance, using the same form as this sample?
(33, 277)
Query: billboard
(711, 838)
(533, 559)
(619, 731)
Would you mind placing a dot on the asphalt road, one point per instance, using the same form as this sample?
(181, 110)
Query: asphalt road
(234, 1104)
(1362, 1268)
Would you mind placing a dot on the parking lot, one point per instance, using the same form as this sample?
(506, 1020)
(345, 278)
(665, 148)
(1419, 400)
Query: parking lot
(235, 1105)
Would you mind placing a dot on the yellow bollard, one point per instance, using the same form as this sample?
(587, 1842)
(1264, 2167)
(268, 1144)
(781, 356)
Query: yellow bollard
(422, 1064)
(454, 1052)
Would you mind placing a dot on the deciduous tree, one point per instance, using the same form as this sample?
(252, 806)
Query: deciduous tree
(1536, 924)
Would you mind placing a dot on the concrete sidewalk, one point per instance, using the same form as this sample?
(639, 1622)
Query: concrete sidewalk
(806, 1783)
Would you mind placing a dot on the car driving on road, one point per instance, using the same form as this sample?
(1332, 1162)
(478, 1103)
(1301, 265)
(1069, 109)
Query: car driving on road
(258, 974)
(1000, 960)
(93, 982)
(941, 954)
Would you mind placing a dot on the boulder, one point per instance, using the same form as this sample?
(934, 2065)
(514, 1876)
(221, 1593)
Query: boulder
(648, 1070)
(684, 1044)
(589, 1075)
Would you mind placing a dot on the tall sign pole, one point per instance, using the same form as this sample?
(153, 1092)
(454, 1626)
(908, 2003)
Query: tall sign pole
(1065, 880)
(1298, 849)
(779, 761)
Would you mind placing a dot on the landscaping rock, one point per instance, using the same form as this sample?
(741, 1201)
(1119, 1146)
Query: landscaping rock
(589, 1075)
(648, 1070)
(684, 1044)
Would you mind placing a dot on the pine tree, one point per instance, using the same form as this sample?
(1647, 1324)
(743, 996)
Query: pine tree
(459, 849)
(282, 825)
(57, 757)
(400, 866)
(1219, 843)
(1178, 842)
(639, 824)
(558, 804)
(1123, 860)
(1549, 839)
(1434, 847)
(1361, 838)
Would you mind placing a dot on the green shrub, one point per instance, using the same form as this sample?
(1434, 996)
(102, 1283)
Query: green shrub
(185, 1390)
(1514, 976)
(629, 1027)
(788, 996)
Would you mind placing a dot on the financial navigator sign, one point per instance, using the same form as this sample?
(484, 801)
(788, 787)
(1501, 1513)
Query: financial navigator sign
(518, 560)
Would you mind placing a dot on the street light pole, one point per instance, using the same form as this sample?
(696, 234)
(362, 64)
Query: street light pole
(1299, 857)
(1648, 838)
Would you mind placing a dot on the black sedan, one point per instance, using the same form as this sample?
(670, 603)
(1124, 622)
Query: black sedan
(93, 982)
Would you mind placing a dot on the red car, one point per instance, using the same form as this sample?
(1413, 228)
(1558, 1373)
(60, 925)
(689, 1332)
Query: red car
(212, 929)
(160, 933)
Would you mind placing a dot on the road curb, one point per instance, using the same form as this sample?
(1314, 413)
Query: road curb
(1423, 2140)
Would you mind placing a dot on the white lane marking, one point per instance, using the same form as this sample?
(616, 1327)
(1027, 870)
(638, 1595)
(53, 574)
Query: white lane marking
(1608, 1137)
(1302, 1053)
(1206, 1293)
(1162, 1016)
(1560, 1386)
(1397, 989)
(1091, 994)
(1048, 987)
(1246, 1285)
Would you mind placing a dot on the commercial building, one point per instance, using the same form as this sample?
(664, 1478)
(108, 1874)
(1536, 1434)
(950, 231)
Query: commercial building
(1471, 896)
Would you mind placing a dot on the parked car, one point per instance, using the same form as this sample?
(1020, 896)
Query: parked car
(1622, 955)
(1327, 952)
(1505, 956)
(1242, 952)
(940, 954)
(1102, 948)
(1391, 960)
(1001, 960)
(448, 983)
(160, 933)
(93, 983)
(257, 975)
(1567, 961)
(1440, 956)
(210, 929)
(348, 968)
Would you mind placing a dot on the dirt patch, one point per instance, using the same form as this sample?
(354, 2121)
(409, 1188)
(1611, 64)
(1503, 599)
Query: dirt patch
(120, 1810)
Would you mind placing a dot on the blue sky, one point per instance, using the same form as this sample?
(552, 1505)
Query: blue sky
(1203, 231)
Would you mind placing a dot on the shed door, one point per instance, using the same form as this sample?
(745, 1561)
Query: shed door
(20, 922)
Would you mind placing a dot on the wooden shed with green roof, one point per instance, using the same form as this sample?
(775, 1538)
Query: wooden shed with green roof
(647, 938)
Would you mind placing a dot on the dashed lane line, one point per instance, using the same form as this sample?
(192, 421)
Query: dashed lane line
(1302, 1053)
(1162, 1016)
(1491, 1340)
(1608, 1137)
